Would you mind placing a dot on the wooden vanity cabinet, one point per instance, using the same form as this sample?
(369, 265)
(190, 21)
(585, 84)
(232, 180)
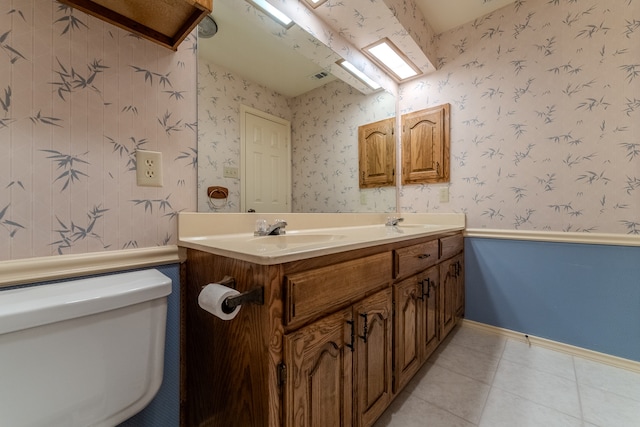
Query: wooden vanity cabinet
(338, 369)
(311, 294)
(336, 339)
(428, 303)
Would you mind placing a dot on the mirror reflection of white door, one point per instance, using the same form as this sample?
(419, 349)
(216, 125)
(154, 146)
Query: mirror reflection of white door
(265, 162)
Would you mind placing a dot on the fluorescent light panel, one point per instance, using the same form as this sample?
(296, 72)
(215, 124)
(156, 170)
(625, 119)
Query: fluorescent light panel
(389, 56)
(359, 74)
(315, 3)
(270, 10)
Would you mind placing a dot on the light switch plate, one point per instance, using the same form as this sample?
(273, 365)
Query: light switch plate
(444, 194)
(230, 172)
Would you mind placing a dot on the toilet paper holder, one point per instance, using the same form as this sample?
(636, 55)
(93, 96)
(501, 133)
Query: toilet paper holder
(254, 296)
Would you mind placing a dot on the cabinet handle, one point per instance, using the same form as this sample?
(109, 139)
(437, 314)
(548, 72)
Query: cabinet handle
(353, 335)
(365, 329)
(458, 268)
(424, 256)
(428, 288)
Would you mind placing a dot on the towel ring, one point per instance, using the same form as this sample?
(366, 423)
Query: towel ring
(217, 192)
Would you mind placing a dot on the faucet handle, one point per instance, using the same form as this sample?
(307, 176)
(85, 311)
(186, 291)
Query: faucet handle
(392, 221)
(261, 227)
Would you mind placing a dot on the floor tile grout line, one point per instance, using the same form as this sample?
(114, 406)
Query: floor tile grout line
(581, 418)
(440, 407)
(603, 389)
(493, 378)
(575, 372)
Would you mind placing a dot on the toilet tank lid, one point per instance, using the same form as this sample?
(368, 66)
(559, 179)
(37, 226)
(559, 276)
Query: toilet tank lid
(33, 306)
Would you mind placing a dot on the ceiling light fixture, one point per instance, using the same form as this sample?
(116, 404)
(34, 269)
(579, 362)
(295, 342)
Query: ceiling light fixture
(273, 12)
(207, 28)
(390, 58)
(359, 74)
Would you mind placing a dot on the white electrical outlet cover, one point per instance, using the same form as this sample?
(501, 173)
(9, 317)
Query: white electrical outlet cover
(149, 168)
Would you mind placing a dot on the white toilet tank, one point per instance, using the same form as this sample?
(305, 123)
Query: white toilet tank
(82, 353)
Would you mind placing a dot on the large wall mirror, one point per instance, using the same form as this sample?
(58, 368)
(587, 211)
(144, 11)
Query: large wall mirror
(255, 62)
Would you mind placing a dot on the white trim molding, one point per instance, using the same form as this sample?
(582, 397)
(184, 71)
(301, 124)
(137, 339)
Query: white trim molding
(618, 362)
(556, 236)
(33, 270)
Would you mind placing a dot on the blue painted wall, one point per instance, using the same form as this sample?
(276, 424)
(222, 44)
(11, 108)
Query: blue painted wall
(579, 294)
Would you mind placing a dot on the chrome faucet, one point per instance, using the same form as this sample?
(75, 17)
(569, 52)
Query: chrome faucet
(393, 221)
(274, 229)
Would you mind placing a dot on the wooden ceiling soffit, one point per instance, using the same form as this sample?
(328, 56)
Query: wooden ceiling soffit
(166, 22)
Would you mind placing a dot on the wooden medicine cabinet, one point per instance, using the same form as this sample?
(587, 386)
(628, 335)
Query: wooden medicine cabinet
(425, 149)
(377, 154)
(425, 146)
(166, 22)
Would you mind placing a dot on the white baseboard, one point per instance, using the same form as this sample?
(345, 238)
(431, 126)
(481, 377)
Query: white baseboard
(584, 353)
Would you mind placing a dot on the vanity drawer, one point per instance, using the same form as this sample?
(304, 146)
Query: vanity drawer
(415, 258)
(313, 293)
(449, 246)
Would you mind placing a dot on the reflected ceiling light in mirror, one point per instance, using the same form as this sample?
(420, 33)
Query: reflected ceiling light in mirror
(274, 13)
(359, 74)
(385, 53)
(315, 3)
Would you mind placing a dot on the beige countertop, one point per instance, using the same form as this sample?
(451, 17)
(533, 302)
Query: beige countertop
(307, 235)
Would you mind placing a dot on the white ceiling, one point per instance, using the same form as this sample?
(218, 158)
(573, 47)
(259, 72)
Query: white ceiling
(257, 56)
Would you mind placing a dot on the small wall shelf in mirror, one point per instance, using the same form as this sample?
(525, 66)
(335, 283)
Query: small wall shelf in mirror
(377, 154)
(425, 146)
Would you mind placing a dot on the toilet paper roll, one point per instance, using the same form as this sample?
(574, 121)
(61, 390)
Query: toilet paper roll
(211, 298)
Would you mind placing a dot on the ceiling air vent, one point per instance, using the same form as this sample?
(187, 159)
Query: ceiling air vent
(319, 76)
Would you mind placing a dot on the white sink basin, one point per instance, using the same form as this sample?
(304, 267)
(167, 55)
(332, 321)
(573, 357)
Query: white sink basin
(422, 226)
(289, 240)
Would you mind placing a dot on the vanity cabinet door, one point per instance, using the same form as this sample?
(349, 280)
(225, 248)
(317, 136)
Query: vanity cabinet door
(417, 321)
(408, 330)
(459, 299)
(318, 389)
(448, 296)
(373, 370)
(430, 287)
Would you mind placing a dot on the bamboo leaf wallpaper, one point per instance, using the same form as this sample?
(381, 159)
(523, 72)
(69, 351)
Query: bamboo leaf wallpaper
(545, 117)
(78, 97)
(545, 126)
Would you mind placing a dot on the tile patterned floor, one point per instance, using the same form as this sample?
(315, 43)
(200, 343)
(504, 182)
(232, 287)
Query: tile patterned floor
(476, 378)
